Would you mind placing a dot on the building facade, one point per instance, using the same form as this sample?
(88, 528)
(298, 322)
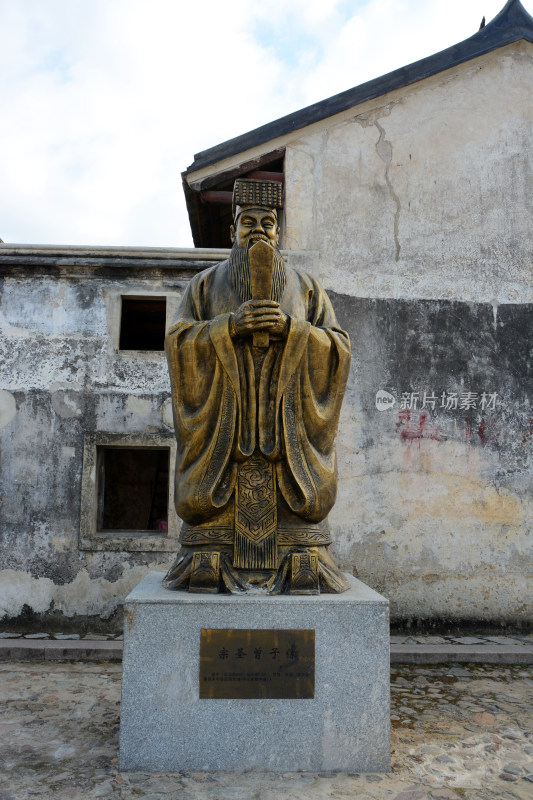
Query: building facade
(411, 199)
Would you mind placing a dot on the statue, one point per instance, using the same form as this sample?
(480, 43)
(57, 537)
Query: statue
(258, 367)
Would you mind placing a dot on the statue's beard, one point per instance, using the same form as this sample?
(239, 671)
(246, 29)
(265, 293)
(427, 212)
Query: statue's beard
(241, 278)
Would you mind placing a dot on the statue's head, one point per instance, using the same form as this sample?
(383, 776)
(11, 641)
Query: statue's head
(255, 212)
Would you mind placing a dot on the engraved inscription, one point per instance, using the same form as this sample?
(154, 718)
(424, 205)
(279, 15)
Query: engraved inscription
(257, 664)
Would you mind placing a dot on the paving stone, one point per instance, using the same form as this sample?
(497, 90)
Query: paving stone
(10, 635)
(50, 707)
(36, 636)
(102, 790)
(484, 718)
(467, 640)
(506, 640)
(413, 793)
(430, 639)
(513, 769)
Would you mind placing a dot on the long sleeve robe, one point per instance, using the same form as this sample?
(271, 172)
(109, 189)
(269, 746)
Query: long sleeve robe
(224, 412)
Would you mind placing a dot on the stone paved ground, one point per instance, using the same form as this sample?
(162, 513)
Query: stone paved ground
(465, 641)
(458, 732)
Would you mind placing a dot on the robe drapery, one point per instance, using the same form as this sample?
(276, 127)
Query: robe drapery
(239, 411)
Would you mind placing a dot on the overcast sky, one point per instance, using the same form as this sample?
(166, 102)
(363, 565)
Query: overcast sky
(105, 102)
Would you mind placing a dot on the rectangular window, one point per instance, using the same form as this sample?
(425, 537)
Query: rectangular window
(127, 493)
(142, 323)
(132, 489)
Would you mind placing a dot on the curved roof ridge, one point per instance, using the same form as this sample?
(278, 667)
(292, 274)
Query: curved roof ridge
(511, 24)
(513, 13)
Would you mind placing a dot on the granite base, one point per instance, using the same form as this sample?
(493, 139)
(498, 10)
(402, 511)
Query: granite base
(166, 727)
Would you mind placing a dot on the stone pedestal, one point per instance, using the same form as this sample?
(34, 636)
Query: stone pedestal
(166, 727)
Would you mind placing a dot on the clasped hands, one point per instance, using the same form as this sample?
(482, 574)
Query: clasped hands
(257, 316)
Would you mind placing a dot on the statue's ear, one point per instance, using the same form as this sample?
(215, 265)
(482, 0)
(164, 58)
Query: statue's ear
(232, 234)
(277, 235)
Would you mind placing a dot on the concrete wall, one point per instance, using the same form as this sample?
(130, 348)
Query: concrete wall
(62, 377)
(435, 485)
(421, 202)
(435, 502)
(425, 192)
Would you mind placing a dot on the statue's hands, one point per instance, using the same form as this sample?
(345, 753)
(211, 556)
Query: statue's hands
(259, 315)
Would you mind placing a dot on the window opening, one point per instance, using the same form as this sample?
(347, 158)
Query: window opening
(143, 323)
(133, 489)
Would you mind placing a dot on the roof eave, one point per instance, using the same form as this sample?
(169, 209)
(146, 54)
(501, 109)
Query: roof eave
(511, 25)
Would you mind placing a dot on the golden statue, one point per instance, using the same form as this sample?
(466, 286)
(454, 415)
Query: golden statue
(258, 366)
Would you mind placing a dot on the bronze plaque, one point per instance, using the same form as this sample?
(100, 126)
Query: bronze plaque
(248, 664)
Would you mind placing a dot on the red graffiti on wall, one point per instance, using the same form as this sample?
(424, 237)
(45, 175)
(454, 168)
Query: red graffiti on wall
(416, 426)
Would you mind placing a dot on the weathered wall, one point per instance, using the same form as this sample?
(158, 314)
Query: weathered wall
(419, 200)
(425, 192)
(62, 376)
(435, 503)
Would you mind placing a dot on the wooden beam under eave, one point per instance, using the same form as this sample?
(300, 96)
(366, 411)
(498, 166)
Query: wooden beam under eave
(262, 175)
(219, 198)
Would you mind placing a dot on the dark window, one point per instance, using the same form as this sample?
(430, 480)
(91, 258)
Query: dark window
(142, 323)
(132, 489)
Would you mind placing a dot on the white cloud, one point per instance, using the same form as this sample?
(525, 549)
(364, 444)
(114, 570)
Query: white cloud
(104, 103)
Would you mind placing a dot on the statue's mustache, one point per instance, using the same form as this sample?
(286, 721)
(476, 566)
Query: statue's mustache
(257, 237)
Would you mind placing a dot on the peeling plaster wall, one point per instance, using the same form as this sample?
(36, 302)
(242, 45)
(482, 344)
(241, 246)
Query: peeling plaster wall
(62, 376)
(413, 204)
(434, 506)
(426, 192)
(435, 503)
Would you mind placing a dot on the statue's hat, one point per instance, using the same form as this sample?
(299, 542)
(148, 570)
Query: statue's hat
(262, 194)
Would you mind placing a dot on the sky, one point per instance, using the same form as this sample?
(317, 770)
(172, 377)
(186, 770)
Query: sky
(105, 102)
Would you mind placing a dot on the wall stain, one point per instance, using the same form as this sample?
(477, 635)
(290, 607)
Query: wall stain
(384, 151)
(129, 618)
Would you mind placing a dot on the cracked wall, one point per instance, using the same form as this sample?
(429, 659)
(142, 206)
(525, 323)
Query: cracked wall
(62, 377)
(434, 506)
(426, 192)
(435, 497)
(415, 203)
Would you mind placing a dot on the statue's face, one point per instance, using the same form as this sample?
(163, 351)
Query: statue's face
(253, 225)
